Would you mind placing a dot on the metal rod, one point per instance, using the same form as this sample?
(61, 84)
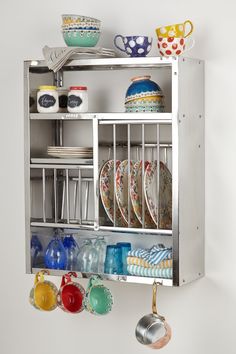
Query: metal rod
(165, 157)
(158, 176)
(86, 200)
(63, 200)
(148, 121)
(75, 196)
(129, 179)
(114, 175)
(62, 167)
(55, 193)
(44, 195)
(143, 169)
(96, 173)
(80, 197)
(137, 230)
(135, 144)
(67, 197)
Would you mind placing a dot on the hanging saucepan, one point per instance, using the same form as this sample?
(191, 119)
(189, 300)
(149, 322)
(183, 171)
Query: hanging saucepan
(152, 330)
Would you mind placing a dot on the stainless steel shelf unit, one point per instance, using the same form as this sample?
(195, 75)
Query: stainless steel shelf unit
(65, 194)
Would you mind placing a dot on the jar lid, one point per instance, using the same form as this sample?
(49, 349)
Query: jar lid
(45, 87)
(82, 88)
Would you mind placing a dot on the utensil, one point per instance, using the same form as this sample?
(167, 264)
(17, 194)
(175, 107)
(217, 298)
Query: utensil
(134, 46)
(174, 46)
(55, 255)
(98, 299)
(70, 296)
(160, 210)
(113, 261)
(107, 192)
(177, 30)
(43, 296)
(153, 330)
(122, 194)
(125, 248)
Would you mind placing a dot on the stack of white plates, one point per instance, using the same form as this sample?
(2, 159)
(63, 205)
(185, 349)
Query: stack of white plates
(67, 152)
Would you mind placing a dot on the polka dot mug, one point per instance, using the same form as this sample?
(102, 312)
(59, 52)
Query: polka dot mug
(178, 30)
(134, 46)
(174, 46)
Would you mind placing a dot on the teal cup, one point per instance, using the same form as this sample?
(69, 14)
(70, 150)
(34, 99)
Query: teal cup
(98, 299)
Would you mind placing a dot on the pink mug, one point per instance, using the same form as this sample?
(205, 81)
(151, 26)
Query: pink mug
(174, 46)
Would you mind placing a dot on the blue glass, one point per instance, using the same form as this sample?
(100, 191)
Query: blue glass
(125, 248)
(113, 261)
(72, 250)
(36, 252)
(55, 255)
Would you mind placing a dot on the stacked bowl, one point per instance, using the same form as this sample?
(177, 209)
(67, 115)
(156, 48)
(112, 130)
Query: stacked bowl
(80, 31)
(144, 95)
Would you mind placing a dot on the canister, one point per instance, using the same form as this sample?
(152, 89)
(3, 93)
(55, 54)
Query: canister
(47, 99)
(77, 99)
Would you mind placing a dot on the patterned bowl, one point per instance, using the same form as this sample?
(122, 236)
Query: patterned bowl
(144, 95)
(80, 38)
(79, 19)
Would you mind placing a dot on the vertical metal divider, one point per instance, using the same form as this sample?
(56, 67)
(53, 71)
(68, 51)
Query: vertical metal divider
(80, 196)
(165, 156)
(55, 193)
(129, 171)
(63, 198)
(86, 200)
(75, 198)
(96, 173)
(67, 197)
(114, 171)
(143, 171)
(158, 175)
(44, 195)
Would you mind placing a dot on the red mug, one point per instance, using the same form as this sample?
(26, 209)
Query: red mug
(70, 296)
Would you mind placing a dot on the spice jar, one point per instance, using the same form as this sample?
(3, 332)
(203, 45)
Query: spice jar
(77, 99)
(47, 99)
(62, 96)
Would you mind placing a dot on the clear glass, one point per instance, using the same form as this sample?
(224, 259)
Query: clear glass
(100, 245)
(55, 255)
(113, 262)
(72, 251)
(88, 258)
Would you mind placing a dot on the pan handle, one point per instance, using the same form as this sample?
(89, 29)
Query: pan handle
(154, 300)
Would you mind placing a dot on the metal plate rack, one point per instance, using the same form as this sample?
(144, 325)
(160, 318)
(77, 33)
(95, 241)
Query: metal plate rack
(65, 193)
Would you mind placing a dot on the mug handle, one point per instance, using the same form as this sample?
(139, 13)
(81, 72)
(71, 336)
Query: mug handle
(116, 45)
(191, 45)
(191, 28)
(67, 278)
(40, 276)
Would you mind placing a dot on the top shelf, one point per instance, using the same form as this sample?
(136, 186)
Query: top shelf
(39, 66)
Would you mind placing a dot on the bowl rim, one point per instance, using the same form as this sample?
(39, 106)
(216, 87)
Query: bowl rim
(87, 18)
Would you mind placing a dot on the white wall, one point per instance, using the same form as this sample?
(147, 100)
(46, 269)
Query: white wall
(202, 315)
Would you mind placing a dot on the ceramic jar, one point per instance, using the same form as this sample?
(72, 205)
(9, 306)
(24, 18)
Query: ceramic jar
(144, 95)
(77, 99)
(47, 99)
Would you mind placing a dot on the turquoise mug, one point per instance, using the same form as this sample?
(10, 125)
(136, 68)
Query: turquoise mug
(98, 299)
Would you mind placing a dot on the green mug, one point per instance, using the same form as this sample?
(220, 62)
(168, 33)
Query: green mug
(98, 299)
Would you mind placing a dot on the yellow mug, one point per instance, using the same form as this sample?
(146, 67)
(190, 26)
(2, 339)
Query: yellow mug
(43, 296)
(177, 30)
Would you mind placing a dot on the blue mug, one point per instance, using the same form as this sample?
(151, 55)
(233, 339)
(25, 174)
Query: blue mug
(134, 46)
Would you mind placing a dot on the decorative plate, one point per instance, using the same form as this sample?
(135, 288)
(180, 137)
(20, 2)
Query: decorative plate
(161, 211)
(107, 191)
(136, 195)
(122, 196)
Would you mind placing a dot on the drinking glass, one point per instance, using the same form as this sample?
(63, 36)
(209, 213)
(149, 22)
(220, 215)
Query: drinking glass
(36, 252)
(100, 245)
(72, 250)
(113, 262)
(55, 255)
(88, 258)
(125, 248)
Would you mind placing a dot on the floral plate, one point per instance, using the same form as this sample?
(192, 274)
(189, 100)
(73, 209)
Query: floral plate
(107, 191)
(136, 195)
(161, 211)
(122, 196)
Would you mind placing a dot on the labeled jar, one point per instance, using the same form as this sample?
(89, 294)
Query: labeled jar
(47, 99)
(77, 99)
(63, 98)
